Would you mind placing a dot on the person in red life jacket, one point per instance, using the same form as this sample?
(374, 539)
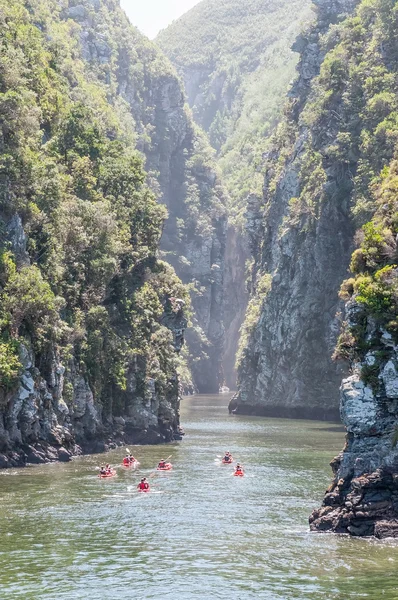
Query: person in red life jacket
(238, 469)
(108, 469)
(132, 459)
(162, 464)
(143, 486)
(126, 460)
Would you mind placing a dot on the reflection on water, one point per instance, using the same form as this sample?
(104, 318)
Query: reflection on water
(67, 535)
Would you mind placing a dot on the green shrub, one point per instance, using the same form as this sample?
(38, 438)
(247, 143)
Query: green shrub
(10, 365)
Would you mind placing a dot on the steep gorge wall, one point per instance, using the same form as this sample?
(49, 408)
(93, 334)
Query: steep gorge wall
(333, 174)
(301, 236)
(91, 321)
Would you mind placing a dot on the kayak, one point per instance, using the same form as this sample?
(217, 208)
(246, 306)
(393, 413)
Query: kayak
(105, 475)
(144, 491)
(134, 463)
(238, 474)
(227, 462)
(167, 467)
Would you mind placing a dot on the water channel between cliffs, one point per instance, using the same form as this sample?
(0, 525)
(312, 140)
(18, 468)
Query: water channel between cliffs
(66, 535)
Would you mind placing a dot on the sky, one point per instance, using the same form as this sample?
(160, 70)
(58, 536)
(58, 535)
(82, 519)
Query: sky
(150, 16)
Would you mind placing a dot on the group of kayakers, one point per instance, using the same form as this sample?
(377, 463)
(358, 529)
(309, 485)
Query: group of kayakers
(228, 460)
(143, 486)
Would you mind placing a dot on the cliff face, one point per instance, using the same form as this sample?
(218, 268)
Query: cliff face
(180, 167)
(91, 321)
(363, 497)
(301, 236)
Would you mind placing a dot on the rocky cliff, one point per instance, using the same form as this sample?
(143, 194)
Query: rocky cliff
(91, 320)
(317, 188)
(363, 497)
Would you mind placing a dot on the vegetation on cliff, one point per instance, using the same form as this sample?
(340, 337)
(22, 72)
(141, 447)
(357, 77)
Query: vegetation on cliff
(80, 280)
(236, 62)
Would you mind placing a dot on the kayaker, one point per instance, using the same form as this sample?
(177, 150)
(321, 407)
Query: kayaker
(126, 460)
(227, 457)
(131, 458)
(108, 469)
(102, 470)
(238, 469)
(162, 464)
(143, 485)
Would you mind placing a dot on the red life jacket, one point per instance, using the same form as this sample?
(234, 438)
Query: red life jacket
(144, 485)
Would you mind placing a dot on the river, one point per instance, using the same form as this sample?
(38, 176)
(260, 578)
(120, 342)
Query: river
(202, 533)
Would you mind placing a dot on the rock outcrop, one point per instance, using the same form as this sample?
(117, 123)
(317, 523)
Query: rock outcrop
(363, 497)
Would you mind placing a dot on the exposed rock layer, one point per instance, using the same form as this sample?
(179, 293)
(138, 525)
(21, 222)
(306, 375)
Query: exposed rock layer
(363, 497)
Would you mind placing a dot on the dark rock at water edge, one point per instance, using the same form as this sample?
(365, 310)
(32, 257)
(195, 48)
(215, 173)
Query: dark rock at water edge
(317, 413)
(365, 506)
(37, 425)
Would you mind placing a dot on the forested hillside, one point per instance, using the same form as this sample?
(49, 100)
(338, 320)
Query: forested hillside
(91, 320)
(179, 164)
(236, 63)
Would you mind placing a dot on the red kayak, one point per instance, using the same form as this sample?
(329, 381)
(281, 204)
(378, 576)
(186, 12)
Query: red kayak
(105, 475)
(238, 474)
(144, 491)
(167, 467)
(227, 462)
(132, 463)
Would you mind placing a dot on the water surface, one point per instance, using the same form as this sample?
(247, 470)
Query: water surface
(67, 535)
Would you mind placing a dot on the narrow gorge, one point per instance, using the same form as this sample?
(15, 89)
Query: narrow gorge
(327, 210)
(217, 207)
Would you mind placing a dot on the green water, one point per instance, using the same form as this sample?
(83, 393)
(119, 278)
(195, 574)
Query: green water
(67, 535)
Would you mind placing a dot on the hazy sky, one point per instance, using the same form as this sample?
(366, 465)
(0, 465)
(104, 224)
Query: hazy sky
(152, 15)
